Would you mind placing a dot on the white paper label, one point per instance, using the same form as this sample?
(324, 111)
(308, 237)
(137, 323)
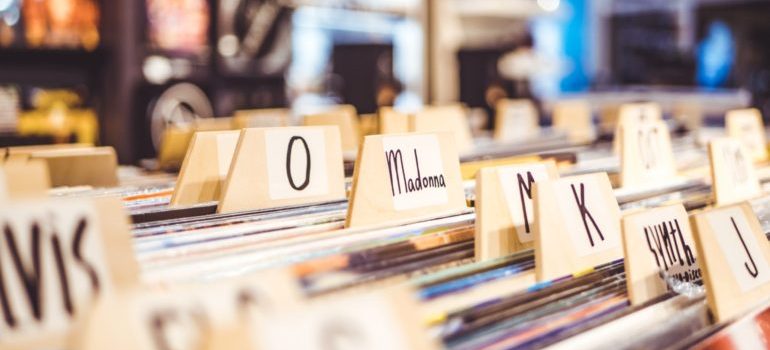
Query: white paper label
(363, 322)
(735, 170)
(748, 129)
(518, 122)
(740, 247)
(516, 182)
(415, 171)
(296, 163)
(669, 241)
(588, 218)
(53, 266)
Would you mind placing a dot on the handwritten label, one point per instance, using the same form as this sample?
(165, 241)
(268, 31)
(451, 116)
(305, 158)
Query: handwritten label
(516, 183)
(740, 247)
(516, 119)
(655, 240)
(593, 228)
(296, 163)
(732, 172)
(415, 171)
(54, 263)
(746, 125)
(646, 153)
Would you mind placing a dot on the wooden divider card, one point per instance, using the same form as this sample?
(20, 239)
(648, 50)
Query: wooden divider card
(504, 210)
(343, 117)
(734, 255)
(450, 118)
(205, 167)
(746, 125)
(407, 176)
(24, 179)
(575, 118)
(56, 257)
(646, 156)
(97, 167)
(732, 172)
(577, 225)
(275, 167)
(658, 240)
(633, 114)
(516, 120)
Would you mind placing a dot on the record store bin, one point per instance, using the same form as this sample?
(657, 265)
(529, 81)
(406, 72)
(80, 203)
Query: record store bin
(384, 174)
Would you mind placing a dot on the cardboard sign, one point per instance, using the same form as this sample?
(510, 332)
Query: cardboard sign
(504, 209)
(276, 167)
(646, 156)
(96, 167)
(196, 316)
(732, 172)
(262, 118)
(451, 118)
(343, 117)
(735, 258)
(631, 114)
(173, 147)
(205, 167)
(577, 225)
(574, 117)
(656, 240)
(406, 176)
(515, 120)
(57, 258)
(24, 179)
(746, 125)
(377, 321)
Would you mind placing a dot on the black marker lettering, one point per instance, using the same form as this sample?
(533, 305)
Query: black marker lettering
(397, 159)
(395, 162)
(305, 183)
(62, 272)
(753, 271)
(525, 187)
(31, 280)
(77, 252)
(8, 316)
(584, 213)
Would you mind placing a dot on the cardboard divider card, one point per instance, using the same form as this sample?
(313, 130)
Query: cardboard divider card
(575, 118)
(734, 255)
(406, 176)
(56, 258)
(275, 167)
(191, 316)
(646, 156)
(205, 167)
(343, 117)
(376, 321)
(577, 225)
(732, 172)
(631, 114)
(654, 241)
(746, 125)
(515, 120)
(97, 167)
(504, 209)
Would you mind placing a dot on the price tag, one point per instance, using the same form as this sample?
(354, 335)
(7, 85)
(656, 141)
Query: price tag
(195, 316)
(746, 125)
(515, 120)
(574, 117)
(346, 119)
(734, 255)
(56, 258)
(382, 320)
(732, 172)
(408, 176)
(205, 167)
(656, 240)
(577, 225)
(504, 209)
(276, 167)
(646, 155)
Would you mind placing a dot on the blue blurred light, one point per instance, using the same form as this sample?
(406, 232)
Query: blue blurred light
(715, 56)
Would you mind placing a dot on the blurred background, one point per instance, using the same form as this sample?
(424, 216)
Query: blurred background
(115, 72)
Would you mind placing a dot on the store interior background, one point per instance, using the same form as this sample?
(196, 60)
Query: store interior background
(102, 71)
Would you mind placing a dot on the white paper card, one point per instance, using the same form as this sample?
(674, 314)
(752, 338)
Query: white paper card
(516, 182)
(593, 227)
(72, 265)
(296, 163)
(415, 171)
(740, 247)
